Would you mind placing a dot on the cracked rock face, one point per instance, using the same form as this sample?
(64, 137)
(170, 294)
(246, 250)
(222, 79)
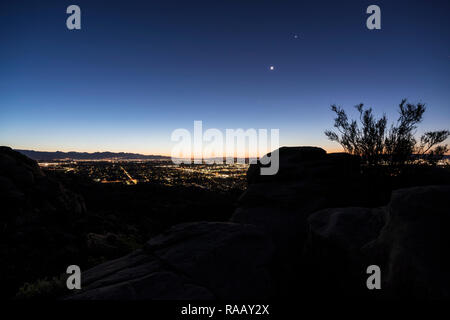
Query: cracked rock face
(202, 260)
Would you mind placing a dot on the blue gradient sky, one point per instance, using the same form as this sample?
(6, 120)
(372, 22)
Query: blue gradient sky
(138, 70)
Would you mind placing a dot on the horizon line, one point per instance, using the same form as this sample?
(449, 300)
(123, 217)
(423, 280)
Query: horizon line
(160, 154)
(169, 155)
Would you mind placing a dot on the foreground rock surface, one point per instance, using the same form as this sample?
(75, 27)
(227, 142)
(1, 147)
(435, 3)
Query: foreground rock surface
(312, 229)
(407, 239)
(202, 260)
(37, 233)
(413, 247)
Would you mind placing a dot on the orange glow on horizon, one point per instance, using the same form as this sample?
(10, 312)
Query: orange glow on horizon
(165, 153)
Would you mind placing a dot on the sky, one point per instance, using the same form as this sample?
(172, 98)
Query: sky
(138, 70)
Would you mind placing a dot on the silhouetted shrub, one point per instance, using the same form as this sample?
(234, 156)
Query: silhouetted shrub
(376, 143)
(428, 141)
(43, 288)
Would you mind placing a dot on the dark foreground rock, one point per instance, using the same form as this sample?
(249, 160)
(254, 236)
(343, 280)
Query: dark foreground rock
(334, 254)
(311, 230)
(202, 260)
(45, 225)
(414, 246)
(37, 233)
(407, 239)
(308, 180)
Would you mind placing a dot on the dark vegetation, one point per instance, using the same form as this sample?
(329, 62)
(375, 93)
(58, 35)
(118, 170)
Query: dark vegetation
(391, 157)
(395, 146)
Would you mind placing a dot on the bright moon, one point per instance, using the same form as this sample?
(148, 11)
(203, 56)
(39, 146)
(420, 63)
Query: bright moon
(271, 68)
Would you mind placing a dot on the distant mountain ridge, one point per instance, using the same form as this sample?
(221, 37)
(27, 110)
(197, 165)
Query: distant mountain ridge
(59, 155)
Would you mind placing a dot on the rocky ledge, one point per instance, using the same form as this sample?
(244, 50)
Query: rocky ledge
(312, 229)
(37, 230)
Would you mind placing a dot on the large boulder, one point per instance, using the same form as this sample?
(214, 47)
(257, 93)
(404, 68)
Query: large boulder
(308, 180)
(137, 276)
(334, 254)
(201, 260)
(413, 247)
(324, 204)
(289, 159)
(407, 239)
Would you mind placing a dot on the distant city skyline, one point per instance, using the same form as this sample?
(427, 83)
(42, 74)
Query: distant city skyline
(137, 70)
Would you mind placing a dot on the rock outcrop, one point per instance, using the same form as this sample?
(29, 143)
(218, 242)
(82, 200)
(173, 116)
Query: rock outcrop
(413, 247)
(334, 256)
(203, 260)
(407, 239)
(308, 180)
(37, 235)
(312, 229)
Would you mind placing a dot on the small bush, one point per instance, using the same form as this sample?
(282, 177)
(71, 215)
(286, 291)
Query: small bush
(43, 289)
(371, 138)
